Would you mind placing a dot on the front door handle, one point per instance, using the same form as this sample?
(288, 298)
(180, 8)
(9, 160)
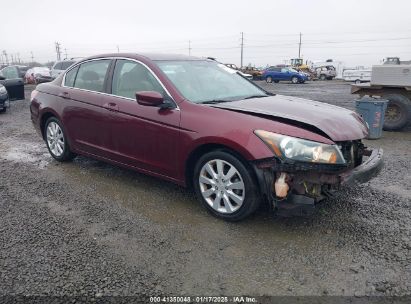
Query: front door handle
(111, 106)
(65, 95)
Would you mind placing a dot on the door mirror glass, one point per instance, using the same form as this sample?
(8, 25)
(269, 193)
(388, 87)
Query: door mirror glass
(149, 98)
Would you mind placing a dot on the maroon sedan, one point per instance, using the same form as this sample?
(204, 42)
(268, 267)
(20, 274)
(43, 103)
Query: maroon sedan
(198, 123)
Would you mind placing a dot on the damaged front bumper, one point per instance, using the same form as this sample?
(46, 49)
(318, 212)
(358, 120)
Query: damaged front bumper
(366, 171)
(308, 183)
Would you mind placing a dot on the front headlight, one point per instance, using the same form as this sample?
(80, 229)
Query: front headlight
(3, 90)
(287, 147)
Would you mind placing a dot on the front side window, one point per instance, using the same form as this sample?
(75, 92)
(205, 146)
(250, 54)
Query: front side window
(131, 77)
(208, 81)
(91, 75)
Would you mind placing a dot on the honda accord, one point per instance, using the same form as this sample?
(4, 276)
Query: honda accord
(200, 124)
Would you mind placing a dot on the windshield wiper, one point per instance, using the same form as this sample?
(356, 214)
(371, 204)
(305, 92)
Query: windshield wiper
(214, 101)
(255, 96)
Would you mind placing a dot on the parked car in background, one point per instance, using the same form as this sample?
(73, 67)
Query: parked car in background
(325, 72)
(198, 123)
(38, 75)
(277, 74)
(256, 73)
(4, 99)
(234, 67)
(14, 83)
(60, 66)
(14, 71)
(357, 76)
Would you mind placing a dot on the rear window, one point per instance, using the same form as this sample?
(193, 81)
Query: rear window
(71, 77)
(91, 75)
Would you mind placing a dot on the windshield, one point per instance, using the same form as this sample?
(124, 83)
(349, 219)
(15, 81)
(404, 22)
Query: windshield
(207, 81)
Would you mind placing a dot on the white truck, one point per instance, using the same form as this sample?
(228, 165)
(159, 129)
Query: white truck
(391, 81)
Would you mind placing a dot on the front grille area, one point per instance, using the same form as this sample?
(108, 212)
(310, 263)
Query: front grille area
(352, 152)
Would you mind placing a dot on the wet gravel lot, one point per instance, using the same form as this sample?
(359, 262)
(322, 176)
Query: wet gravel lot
(89, 228)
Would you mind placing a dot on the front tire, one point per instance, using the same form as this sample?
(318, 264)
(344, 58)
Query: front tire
(56, 140)
(323, 77)
(225, 186)
(294, 80)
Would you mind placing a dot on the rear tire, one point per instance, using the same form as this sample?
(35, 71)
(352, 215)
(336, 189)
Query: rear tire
(56, 140)
(398, 111)
(295, 80)
(269, 79)
(323, 77)
(3, 110)
(225, 186)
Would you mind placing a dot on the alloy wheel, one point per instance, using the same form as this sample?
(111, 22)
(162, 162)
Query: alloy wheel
(55, 139)
(222, 186)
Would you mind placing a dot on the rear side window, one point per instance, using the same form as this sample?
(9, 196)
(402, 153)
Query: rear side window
(91, 75)
(70, 77)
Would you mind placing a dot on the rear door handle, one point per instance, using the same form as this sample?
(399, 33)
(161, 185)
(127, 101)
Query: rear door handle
(65, 95)
(111, 106)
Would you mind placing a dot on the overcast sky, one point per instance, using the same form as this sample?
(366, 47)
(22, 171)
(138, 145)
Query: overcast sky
(352, 31)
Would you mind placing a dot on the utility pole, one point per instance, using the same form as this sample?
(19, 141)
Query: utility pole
(189, 47)
(12, 58)
(299, 48)
(118, 49)
(5, 56)
(58, 51)
(32, 57)
(242, 47)
(65, 53)
(18, 56)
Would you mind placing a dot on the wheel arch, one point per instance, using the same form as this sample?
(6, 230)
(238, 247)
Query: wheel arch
(202, 149)
(46, 114)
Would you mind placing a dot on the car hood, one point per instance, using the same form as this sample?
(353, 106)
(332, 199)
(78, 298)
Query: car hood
(337, 123)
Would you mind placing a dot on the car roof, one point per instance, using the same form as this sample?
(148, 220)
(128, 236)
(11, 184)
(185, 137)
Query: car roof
(151, 56)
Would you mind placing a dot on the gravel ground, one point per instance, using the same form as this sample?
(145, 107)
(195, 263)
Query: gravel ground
(89, 228)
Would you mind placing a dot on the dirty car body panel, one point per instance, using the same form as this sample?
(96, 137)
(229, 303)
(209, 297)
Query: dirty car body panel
(166, 141)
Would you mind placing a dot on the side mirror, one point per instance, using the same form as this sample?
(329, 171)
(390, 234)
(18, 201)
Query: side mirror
(149, 98)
